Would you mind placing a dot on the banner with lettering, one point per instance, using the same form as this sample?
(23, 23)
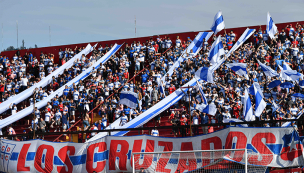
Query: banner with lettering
(276, 147)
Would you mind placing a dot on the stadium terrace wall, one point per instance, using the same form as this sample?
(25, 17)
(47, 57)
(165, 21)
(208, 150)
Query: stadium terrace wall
(183, 36)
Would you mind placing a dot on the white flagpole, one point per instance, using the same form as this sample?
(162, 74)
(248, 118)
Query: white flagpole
(17, 32)
(135, 26)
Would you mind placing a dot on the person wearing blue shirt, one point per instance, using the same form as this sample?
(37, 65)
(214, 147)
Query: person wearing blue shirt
(55, 103)
(30, 57)
(66, 91)
(127, 111)
(144, 77)
(99, 125)
(65, 121)
(204, 120)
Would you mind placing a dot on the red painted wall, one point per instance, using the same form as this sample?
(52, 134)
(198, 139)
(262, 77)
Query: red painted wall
(183, 36)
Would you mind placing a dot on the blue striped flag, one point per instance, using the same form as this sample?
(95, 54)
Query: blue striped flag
(286, 66)
(239, 68)
(204, 100)
(260, 104)
(247, 33)
(129, 99)
(206, 73)
(216, 51)
(218, 23)
(247, 110)
(271, 28)
(268, 70)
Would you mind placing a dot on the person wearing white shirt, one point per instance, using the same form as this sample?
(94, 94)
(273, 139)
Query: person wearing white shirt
(168, 43)
(37, 113)
(75, 96)
(178, 42)
(41, 66)
(13, 107)
(47, 118)
(294, 110)
(195, 122)
(123, 119)
(34, 123)
(50, 69)
(154, 132)
(116, 84)
(24, 82)
(58, 116)
(295, 51)
(111, 86)
(226, 114)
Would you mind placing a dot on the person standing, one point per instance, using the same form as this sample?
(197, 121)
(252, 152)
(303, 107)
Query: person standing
(47, 118)
(154, 132)
(123, 119)
(175, 122)
(41, 126)
(204, 120)
(183, 122)
(195, 122)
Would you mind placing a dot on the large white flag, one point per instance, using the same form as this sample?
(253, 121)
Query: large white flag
(218, 23)
(271, 28)
(216, 51)
(248, 111)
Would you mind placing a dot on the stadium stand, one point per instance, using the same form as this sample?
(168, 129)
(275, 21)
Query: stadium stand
(138, 66)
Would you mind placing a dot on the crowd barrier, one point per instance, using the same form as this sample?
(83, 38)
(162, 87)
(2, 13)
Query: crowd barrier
(276, 147)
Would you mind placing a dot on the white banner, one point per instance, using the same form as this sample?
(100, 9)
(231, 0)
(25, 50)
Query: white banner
(23, 113)
(44, 82)
(276, 147)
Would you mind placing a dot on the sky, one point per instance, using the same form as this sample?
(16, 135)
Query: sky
(79, 21)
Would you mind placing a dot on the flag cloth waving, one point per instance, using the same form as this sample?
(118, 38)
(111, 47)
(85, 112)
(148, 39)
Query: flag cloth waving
(271, 28)
(218, 23)
(129, 99)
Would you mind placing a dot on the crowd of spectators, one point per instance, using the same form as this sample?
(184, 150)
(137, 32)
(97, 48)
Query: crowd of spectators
(101, 87)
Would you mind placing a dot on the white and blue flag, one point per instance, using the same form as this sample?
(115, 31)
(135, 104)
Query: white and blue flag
(208, 109)
(247, 110)
(239, 68)
(271, 28)
(293, 74)
(268, 70)
(247, 33)
(218, 23)
(129, 99)
(204, 106)
(216, 51)
(204, 100)
(290, 75)
(286, 66)
(260, 104)
(206, 73)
